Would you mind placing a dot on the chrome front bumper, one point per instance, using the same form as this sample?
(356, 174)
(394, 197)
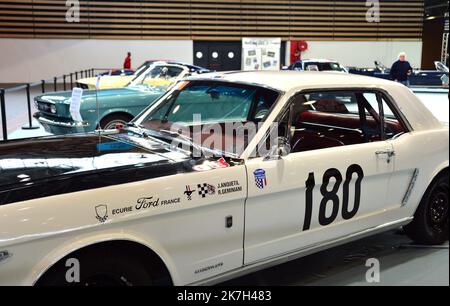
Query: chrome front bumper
(56, 127)
(45, 121)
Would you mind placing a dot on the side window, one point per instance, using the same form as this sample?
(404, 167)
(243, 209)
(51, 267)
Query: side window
(263, 103)
(331, 119)
(392, 125)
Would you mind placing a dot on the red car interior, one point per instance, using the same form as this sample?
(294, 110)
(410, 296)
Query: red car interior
(319, 130)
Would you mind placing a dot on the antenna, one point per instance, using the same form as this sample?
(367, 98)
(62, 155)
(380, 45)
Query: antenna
(97, 86)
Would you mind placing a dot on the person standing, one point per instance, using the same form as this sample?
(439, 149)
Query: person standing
(401, 70)
(127, 63)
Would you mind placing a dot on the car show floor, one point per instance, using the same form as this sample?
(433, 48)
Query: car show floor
(401, 264)
(17, 115)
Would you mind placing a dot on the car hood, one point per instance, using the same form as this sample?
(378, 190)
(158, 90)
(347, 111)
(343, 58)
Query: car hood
(105, 79)
(48, 166)
(65, 96)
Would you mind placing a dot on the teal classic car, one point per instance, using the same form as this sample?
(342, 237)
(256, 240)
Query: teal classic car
(105, 109)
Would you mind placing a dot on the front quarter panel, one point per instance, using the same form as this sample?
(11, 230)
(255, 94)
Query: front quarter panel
(190, 236)
(131, 102)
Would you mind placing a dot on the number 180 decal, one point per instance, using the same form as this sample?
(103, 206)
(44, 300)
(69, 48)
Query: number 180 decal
(332, 196)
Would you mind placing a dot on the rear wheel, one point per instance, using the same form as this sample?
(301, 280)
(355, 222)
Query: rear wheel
(112, 121)
(431, 221)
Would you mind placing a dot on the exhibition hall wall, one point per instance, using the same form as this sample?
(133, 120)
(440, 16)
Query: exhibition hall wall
(30, 60)
(364, 53)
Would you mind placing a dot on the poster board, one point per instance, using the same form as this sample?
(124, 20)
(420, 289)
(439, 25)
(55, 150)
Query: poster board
(261, 53)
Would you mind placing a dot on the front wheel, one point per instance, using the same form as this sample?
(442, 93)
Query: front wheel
(99, 269)
(431, 223)
(111, 122)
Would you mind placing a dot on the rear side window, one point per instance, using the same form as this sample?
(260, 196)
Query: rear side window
(393, 126)
(326, 119)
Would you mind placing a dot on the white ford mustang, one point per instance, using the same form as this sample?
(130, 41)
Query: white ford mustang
(225, 174)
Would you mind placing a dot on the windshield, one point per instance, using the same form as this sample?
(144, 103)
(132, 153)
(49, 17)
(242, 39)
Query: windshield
(315, 66)
(441, 67)
(140, 70)
(214, 102)
(202, 106)
(380, 66)
(158, 75)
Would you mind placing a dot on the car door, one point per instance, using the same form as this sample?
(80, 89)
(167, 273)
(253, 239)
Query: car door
(407, 162)
(330, 186)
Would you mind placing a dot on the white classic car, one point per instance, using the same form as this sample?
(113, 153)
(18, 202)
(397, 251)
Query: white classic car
(225, 174)
(316, 65)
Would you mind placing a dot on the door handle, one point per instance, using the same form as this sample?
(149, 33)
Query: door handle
(389, 153)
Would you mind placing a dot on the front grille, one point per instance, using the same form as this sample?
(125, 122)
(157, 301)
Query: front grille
(81, 85)
(44, 107)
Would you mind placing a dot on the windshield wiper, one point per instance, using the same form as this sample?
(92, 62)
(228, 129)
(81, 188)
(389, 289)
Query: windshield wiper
(140, 132)
(199, 148)
(175, 135)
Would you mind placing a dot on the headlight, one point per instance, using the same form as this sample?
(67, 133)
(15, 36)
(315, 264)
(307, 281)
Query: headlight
(53, 109)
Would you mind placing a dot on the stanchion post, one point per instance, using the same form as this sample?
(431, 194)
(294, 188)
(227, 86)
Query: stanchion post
(55, 87)
(3, 111)
(30, 125)
(43, 86)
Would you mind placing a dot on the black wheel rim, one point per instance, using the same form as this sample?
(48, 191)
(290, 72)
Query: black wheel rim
(438, 209)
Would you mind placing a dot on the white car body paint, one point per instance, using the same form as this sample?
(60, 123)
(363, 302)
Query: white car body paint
(191, 235)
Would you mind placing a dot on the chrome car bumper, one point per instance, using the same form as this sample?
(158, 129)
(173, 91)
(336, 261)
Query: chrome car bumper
(60, 127)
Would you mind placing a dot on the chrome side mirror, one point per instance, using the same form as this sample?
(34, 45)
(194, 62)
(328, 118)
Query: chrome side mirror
(281, 149)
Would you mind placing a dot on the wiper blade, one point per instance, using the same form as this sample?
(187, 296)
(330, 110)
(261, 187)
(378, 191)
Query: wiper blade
(175, 135)
(141, 131)
(197, 147)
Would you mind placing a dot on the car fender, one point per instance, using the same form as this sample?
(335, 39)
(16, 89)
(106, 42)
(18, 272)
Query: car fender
(77, 243)
(438, 166)
(441, 167)
(423, 183)
(108, 112)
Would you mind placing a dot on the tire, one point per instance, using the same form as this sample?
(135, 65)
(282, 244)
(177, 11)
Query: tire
(110, 121)
(100, 268)
(431, 224)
